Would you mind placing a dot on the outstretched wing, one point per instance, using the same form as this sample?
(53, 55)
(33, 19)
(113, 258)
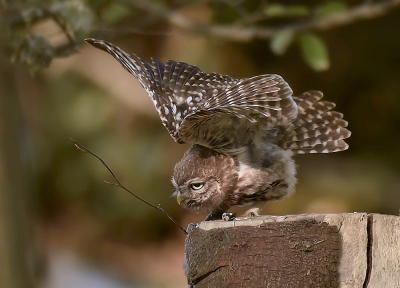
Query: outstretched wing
(177, 89)
(230, 119)
(213, 110)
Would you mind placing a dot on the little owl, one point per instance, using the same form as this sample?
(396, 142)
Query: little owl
(243, 132)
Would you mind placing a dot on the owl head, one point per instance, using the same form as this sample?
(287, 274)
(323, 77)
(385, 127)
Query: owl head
(203, 179)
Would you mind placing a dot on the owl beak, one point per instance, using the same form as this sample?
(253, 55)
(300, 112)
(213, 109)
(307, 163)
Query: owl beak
(179, 199)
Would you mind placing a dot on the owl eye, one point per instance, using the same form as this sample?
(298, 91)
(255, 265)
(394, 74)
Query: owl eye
(196, 186)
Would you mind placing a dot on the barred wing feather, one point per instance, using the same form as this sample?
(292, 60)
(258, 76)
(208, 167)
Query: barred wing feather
(209, 109)
(177, 89)
(224, 120)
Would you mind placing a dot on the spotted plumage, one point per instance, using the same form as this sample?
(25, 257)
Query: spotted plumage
(243, 132)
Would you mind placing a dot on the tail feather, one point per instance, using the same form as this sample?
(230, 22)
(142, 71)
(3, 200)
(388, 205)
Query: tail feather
(327, 117)
(310, 126)
(328, 147)
(341, 133)
(307, 99)
(317, 129)
(321, 132)
(319, 108)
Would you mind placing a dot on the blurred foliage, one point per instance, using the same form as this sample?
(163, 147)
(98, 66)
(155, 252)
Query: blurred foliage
(79, 19)
(357, 66)
(331, 7)
(116, 13)
(279, 10)
(75, 18)
(35, 51)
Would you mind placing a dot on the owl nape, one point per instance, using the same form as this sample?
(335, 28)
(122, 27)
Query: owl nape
(244, 132)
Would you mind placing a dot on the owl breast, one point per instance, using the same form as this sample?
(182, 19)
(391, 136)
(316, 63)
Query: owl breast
(266, 172)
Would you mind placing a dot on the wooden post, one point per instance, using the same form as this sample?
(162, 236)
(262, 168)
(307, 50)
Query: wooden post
(310, 250)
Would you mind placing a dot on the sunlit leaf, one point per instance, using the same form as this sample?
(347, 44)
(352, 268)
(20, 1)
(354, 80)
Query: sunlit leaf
(314, 51)
(34, 51)
(279, 10)
(331, 7)
(281, 41)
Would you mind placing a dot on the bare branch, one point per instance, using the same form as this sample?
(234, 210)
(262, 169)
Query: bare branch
(367, 10)
(119, 184)
(60, 23)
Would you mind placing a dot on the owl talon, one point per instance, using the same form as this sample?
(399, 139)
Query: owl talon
(217, 215)
(228, 216)
(251, 214)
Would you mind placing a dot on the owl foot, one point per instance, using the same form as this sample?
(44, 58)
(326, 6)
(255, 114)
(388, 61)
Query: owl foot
(228, 216)
(251, 213)
(254, 210)
(215, 215)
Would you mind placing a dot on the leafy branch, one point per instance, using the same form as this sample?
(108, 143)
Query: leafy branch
(78, 20)
(119, 184)
(364, 11)
(315, 53)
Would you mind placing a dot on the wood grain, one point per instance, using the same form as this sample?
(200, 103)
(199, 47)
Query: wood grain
(309, 250)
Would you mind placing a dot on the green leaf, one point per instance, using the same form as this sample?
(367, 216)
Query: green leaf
(331, 7)
(314, 51)
(281, 41)
(34, 51)
(115, 13)
(279, 10)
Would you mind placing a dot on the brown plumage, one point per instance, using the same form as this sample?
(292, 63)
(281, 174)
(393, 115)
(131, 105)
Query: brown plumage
(243, 132)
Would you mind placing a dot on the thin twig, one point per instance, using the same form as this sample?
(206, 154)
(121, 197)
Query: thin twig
(119, 184)
(364, 11)
(60, 23)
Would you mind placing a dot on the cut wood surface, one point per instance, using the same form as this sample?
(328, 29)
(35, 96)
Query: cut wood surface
(308, 250)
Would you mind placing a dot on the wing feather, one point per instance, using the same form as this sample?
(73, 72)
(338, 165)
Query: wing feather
(236, 111)
(209, 109)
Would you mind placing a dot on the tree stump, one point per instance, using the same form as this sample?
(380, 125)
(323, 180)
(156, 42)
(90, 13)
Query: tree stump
(309, 250)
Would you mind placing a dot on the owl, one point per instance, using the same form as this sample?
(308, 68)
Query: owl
(243, 132)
